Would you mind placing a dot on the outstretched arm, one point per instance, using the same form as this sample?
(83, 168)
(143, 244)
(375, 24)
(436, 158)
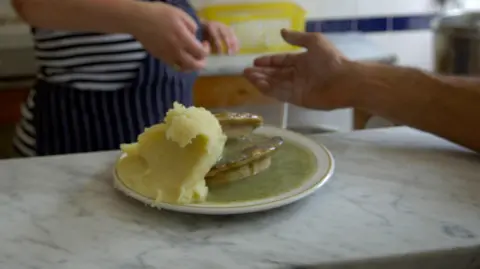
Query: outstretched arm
(176, 45)
(107, 16)
(446, 106)
(322, 78)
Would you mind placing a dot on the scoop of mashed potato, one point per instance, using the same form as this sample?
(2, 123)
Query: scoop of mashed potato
(170, 160)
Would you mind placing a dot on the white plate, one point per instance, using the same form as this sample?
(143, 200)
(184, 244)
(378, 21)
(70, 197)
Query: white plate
(325, 167)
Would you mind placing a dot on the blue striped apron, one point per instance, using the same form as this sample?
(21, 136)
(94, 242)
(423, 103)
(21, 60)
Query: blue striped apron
(63, 120)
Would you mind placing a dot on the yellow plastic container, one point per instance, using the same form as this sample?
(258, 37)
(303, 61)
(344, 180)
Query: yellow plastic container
(257, 25)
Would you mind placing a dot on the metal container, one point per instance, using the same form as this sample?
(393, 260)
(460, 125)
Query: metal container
(457, 43)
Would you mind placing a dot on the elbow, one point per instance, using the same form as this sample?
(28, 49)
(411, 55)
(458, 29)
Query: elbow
(25, 8)
(19, 6)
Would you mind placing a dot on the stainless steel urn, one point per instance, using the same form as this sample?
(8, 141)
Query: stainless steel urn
(457, 43)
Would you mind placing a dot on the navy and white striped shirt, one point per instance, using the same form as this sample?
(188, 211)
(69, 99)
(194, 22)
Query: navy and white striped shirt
(122, 90)
(90, 61)
(87, 61)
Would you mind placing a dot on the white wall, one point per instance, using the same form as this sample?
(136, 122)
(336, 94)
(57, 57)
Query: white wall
(413, 47)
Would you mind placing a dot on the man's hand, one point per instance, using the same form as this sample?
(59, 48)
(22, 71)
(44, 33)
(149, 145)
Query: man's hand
(303, 79)
(220, 37)
(321, 78)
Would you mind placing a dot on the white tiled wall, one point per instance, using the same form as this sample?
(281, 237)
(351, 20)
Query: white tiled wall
(393, 7)
(413, 47)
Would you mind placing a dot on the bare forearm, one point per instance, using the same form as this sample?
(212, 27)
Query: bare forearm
(105, 16)
(446, 106)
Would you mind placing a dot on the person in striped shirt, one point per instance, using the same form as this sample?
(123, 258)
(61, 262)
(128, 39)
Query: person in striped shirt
(109, 68)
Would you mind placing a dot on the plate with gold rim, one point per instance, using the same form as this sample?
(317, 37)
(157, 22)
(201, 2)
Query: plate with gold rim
(298, 169)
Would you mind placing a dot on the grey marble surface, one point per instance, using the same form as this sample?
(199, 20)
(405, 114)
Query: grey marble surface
(399, 199)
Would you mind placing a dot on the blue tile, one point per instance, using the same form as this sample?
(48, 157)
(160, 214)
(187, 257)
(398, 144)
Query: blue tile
(372, 25)
(335, 26)
(313, 26)
(376, 24)
(419, 22)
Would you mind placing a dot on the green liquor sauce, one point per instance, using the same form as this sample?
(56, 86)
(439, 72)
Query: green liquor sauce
(291, 166)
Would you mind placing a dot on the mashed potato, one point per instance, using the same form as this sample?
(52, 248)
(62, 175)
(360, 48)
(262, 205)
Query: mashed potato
(170, 160)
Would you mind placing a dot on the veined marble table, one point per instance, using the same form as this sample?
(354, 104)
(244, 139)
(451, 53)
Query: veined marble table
(399, 198)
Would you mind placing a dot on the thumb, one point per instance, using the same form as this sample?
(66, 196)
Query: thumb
(295, 38)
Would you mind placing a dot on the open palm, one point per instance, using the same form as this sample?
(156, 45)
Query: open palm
(299, 78)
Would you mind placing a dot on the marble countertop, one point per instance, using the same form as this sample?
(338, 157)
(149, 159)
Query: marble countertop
(399, 199)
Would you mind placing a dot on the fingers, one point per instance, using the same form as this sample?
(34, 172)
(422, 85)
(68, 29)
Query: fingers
(221, 35)
(189, 42)
(187, 38)
(277, 60)
(269, 86)
(190, 54)
(264, 77)
(206, 47)
(186, 62)
(295, 38)
(189, 22)
(267, 72)
(216, 38)
(258, 79)
(229, 37)
(169, 34)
